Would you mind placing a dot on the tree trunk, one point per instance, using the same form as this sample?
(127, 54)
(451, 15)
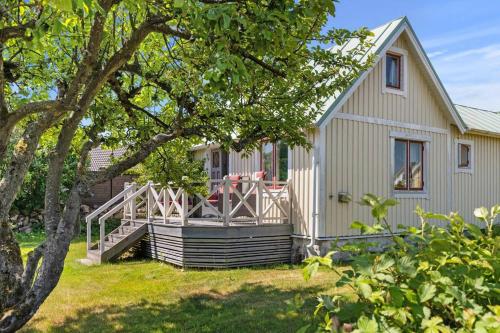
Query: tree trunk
(11, 265)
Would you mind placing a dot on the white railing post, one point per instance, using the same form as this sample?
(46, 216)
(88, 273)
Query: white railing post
(226, 209)
(102, 235)
(133, 203)
(150, 202)
(184, 207)
(167, 199)
(89, 233)
(165, 204)
(289, 199)
(259, 201)
(126, 209)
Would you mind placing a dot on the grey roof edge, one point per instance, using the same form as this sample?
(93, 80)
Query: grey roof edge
(403, 22)
(476, 118)
(476, 108)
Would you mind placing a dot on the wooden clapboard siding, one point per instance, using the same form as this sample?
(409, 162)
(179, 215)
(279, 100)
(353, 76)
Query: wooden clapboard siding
(245, 165)
(358, 148)
(218, 247)
(421, 105)
(482, 186)
(301, 193)
(360, 163)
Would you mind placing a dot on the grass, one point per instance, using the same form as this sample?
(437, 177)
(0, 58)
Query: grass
(150, 296)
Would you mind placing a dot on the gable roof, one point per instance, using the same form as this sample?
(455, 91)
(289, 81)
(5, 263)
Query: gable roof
(382, 39)
(101, 159)
(479, 120)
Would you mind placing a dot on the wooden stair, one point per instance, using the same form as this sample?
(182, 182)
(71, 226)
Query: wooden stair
(128, 234)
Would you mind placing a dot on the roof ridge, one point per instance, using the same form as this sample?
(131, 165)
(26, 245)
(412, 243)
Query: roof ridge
(478, 109)
(389, 22)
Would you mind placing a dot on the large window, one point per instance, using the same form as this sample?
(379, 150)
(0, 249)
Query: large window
(408, 165)
(274, 161)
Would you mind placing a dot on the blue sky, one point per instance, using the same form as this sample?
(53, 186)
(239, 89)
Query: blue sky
(462, 38)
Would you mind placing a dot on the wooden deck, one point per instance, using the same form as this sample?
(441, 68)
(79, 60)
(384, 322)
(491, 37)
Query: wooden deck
(217, 246)
(245, 228)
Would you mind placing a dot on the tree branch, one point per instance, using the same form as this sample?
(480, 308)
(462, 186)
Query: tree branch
(19, 31)
(32, 266)
(247, 55)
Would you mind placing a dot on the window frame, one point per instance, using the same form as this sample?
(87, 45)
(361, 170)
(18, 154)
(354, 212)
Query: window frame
(410, 193)
(398, 63)
(403, 72)
(274, 161)
(458, 168)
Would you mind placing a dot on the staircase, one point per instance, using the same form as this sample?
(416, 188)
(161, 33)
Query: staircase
(120, 240)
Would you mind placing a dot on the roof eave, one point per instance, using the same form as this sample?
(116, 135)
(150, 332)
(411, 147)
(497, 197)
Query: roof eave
(482, 133)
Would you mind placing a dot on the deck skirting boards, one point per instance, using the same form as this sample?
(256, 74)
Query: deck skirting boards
(218, 247)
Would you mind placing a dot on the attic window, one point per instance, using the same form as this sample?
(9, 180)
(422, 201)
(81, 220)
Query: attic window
(393, 71)
(465, 156)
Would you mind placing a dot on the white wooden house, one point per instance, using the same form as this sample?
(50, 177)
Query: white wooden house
(394, 132)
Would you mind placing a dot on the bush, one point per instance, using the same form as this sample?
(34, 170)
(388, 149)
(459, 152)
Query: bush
(430, 279)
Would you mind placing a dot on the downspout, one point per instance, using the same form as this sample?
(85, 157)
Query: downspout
(311, 247)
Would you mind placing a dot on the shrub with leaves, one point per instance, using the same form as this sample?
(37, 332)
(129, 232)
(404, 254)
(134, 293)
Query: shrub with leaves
(430, 279)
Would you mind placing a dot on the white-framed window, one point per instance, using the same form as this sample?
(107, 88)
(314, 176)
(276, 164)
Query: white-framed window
(395, 72)
(274, 161)
(464, 156)
(409, 165)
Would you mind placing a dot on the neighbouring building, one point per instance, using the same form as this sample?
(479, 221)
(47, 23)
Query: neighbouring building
(100, 193)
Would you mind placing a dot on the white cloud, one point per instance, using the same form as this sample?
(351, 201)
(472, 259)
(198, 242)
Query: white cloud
(435, 54)
(483, 96)
(471, 33)
(472, 76)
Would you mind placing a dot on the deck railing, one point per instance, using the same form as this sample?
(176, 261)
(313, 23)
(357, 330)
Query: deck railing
(228, 202)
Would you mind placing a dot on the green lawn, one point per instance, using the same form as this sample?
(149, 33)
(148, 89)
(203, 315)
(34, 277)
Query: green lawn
(149, 296)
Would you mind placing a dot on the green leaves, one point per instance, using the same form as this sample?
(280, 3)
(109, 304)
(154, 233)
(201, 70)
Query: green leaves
(426, 291)
(432, 279)
(367, 325)
(434, 325)
(64, 5)
(310, 270)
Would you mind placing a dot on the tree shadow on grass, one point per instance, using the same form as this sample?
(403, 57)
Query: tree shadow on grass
(252, 308)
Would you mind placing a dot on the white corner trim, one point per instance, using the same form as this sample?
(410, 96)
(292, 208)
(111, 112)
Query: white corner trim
(392, 123)
(404, 72)
(449, 171)
(321, 144)
(457, 154)
(424, 194)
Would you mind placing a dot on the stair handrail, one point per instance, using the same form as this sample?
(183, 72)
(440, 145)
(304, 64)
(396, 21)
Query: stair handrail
(102, 219)
(103, 207)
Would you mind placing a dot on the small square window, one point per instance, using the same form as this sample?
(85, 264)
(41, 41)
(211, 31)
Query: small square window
(464, 156)
(393, 71)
